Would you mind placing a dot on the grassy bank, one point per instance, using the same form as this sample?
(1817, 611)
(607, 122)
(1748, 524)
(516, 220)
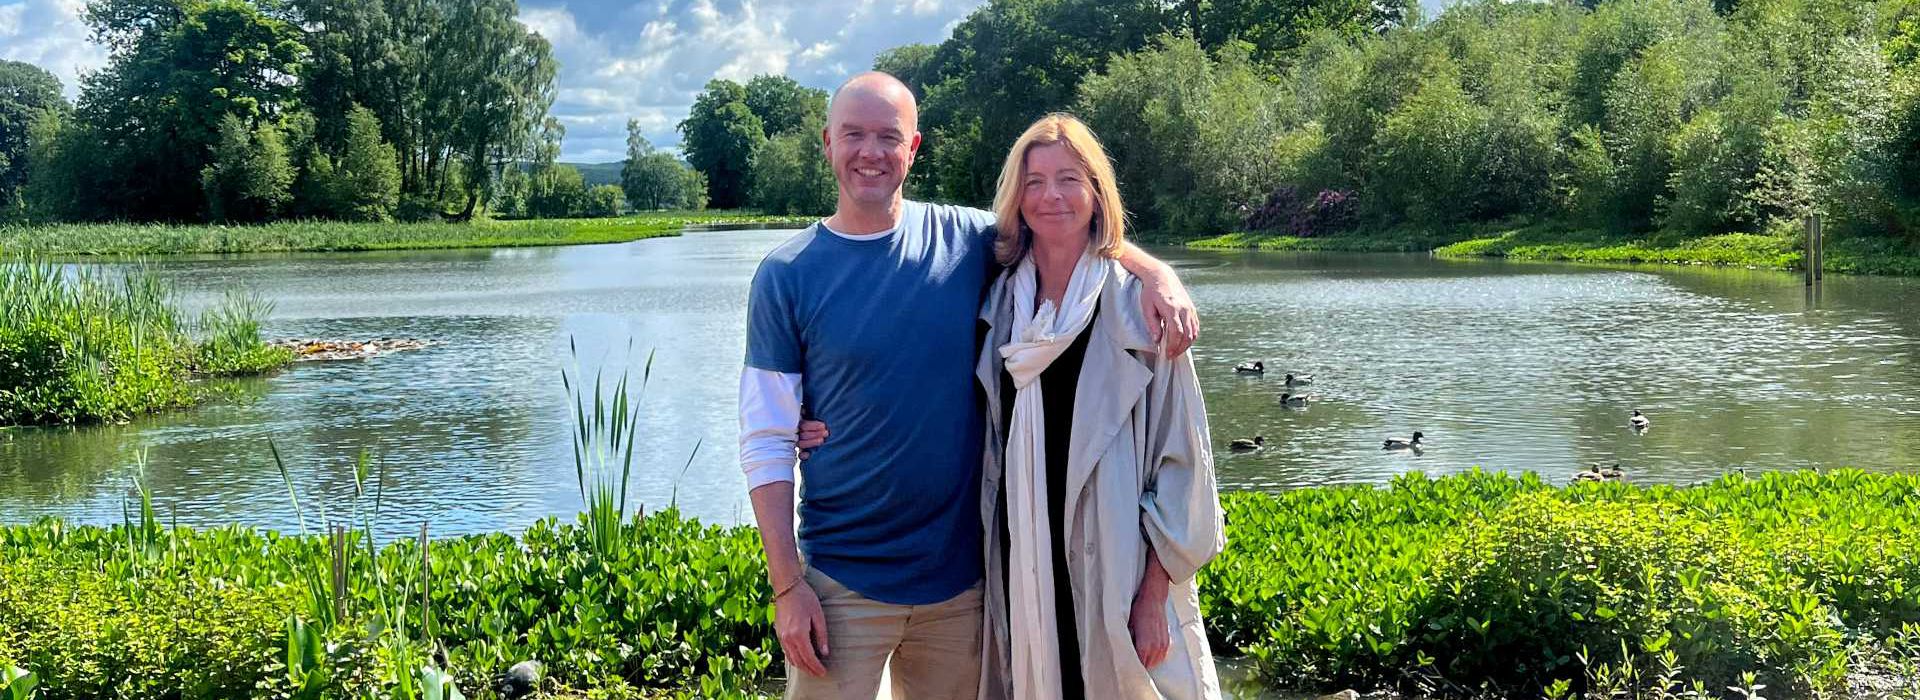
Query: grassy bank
(96, 346)
(1778, 251)
(1480, 584)
(157, 239)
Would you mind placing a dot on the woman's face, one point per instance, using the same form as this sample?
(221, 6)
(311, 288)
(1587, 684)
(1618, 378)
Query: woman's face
(1056, 196)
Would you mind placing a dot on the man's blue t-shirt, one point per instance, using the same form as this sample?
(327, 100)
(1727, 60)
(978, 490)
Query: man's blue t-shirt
(883, 333)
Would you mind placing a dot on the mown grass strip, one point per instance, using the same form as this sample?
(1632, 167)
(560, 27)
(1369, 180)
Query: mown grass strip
(318, 236)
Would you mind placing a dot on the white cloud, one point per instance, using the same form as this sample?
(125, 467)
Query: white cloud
(10, 19)
(49, 34)
(648, 60)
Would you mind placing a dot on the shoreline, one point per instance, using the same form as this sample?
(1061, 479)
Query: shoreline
(1851, 256)
(118, 239)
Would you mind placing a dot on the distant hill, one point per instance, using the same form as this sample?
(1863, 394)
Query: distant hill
(593, 173)
(599, 173)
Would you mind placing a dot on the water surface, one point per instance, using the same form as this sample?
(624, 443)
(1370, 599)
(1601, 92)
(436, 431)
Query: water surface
(1506, 365)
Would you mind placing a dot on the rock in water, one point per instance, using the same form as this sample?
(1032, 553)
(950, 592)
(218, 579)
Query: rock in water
(1342, 695)
(521, 680)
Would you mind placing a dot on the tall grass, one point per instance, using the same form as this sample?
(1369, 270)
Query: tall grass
(90, 344)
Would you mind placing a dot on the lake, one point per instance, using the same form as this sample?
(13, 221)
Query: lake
(1515, 366)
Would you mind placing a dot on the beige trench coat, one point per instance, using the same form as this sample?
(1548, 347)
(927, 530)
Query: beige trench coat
(1141, 471)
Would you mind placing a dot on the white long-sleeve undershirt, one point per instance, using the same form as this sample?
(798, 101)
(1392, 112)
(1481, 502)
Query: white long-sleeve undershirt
(769, 425)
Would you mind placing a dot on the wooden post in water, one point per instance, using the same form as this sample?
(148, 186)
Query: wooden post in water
(1819, 249)
(1807, 263)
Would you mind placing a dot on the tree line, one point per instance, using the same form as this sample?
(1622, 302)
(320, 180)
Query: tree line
(1311, 117)
(1299, 116)
(254, 110)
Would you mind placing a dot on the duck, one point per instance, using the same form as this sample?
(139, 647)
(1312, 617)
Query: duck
(1299, 379)
(1245, 445)
(1639, 420)
(1295, 399)
(1399, 444)
(1254, 367)
(1595, 472)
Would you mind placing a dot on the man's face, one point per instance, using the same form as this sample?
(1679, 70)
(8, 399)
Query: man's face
(870, 140)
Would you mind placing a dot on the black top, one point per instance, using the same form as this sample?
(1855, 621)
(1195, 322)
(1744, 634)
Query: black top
(1058, 383)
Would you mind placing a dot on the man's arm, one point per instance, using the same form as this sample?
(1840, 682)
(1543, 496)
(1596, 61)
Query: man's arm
(1170, 315)
(769, 413)
(798, 619)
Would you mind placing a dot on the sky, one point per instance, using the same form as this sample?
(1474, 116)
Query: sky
(618, 59)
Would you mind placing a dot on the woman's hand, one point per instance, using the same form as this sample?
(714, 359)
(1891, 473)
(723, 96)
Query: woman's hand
(811, 434)
(1148, 620)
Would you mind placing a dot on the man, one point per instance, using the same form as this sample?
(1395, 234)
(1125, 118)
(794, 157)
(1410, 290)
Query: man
(870, 316)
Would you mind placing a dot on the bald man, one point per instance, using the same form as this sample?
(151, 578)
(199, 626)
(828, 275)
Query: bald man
(870, 317)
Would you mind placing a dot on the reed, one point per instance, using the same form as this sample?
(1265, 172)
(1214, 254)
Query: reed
(91, 344)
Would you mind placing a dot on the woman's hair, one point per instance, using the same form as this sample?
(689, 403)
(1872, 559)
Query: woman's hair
(1109, 215)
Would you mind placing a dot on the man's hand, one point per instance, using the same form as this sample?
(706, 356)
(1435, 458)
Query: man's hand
(810, 435)
(1171, 318)
(800, 623)
(1170, 315)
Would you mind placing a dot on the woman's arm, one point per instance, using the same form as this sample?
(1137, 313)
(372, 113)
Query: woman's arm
(1180, 504)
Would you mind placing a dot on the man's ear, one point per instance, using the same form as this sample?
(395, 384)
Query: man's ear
(915, 150)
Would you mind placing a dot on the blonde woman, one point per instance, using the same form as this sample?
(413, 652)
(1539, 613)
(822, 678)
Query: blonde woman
(1098, 492)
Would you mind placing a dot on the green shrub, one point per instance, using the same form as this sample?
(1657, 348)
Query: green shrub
(1547, 589)
(1387, 587)
(95, 612)
(1321, 586)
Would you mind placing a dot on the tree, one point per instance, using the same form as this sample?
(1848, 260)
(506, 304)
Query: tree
(1428, 144)
(1007, 64)
(557, 192)
(1194, 138)
(693, 189)
(791, 174)
(1275, 28)
(28, 93)
(459, 86)
(368, 175)
(784, 105)
(911, 64)
(719, 136)
(511, 192)
(651, 179)
(249, 177)
(604, 201)
(177, 69)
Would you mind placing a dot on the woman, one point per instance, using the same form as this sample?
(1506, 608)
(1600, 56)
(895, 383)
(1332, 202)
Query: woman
(1098, 490)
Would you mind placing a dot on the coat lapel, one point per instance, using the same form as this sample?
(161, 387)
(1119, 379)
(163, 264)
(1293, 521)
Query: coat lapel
(1111, 382)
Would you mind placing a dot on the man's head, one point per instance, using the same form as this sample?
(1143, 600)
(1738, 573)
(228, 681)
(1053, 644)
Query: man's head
(871, 136)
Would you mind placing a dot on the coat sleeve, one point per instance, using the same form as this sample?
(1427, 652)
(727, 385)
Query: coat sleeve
(1180, 504)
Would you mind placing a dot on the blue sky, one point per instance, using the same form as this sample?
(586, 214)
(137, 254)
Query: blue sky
(618, 60)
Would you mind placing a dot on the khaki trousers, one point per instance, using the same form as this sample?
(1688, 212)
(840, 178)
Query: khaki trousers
(934, 649)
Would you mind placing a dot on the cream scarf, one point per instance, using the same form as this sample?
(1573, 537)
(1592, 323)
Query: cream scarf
(1039, 336)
